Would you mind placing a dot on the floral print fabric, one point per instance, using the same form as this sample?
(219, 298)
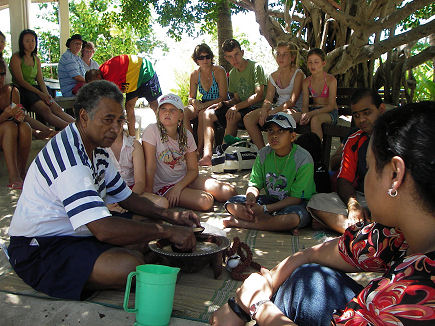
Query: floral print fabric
(403, 295)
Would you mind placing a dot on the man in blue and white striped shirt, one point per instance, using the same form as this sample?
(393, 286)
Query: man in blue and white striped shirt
(64, 241)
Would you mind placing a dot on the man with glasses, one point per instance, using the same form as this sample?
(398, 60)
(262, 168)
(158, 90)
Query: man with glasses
(348, 206)
(64, 241)
(286, 172)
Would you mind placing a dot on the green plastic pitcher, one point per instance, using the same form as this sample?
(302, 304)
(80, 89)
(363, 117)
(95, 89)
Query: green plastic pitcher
(155, 287)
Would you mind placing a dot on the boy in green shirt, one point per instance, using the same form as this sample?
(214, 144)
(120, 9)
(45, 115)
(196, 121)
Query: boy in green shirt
(286, 172)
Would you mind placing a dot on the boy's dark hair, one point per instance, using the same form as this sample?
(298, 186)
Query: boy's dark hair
(230, 44)
(92, 74)
(318, 52)
(21, 44)
(361, 93)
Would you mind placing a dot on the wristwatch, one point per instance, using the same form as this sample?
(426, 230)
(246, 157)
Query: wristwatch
(238, 311)
(254, 307)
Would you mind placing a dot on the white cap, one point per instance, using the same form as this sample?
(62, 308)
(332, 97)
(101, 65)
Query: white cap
(173, 99)
(284, 120)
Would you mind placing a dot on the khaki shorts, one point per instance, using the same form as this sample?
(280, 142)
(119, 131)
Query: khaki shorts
(332, 203)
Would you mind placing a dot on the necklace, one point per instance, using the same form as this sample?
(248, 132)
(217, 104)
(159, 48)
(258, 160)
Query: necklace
(278, 172)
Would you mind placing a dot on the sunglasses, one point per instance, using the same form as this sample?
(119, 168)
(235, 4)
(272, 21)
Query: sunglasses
(203, 57)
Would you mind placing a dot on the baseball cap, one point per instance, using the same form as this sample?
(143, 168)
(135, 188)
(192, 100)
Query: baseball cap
(284, 120)
(173, 99)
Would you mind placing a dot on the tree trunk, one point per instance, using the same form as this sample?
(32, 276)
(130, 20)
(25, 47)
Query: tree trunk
(224, 29)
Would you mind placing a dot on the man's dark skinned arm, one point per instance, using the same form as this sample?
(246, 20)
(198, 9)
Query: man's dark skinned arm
(347, 194)
(345, 190)
(121, 232)
(145, 207)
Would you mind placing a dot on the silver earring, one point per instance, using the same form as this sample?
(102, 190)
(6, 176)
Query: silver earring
(392, 192)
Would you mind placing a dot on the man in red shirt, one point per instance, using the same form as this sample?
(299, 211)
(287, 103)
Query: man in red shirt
(348, 205)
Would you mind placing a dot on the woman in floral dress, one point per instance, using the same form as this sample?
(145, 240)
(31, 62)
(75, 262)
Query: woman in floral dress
(311, 287)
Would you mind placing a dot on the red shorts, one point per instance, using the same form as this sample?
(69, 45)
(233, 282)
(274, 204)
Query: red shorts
(162, 191)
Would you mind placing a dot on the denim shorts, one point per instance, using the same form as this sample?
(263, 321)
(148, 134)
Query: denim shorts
(333, 114)
(300, 209)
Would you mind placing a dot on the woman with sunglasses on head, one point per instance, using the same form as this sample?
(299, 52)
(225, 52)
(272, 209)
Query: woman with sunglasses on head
(311, 287)
(211, 81)
(26, 72)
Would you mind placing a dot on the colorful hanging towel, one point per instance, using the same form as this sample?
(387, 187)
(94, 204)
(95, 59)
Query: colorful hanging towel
(127, 71)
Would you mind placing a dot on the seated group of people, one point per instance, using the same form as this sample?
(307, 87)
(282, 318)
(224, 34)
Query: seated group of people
(89, 204)
(253, 95)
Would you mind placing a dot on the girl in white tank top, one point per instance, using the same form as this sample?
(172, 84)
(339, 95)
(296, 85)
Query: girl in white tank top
(287, 83)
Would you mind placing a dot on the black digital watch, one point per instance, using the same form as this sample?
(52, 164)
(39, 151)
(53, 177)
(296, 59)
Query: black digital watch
(238, 311)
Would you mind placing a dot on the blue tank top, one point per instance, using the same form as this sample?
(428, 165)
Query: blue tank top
(212, 93)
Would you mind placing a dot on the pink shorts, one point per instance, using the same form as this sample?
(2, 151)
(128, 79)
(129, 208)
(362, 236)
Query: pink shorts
(162, 191)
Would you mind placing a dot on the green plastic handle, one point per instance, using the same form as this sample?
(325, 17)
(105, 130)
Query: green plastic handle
(127, 293)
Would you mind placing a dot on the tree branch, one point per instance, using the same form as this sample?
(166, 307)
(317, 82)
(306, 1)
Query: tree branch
(375, 50)
(418, 59)
(337, 14)
(397, 16)
(268, 27)
(248, 5)
(279, 14)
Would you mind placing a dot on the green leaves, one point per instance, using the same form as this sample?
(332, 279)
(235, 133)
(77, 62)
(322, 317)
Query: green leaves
(114, 26)
(415, 19)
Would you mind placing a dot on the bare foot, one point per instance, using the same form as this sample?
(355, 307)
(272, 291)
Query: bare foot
(230, 222)
(205, 161)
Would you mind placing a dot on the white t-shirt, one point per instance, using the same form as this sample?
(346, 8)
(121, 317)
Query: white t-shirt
(64, 190)
(170, 162)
